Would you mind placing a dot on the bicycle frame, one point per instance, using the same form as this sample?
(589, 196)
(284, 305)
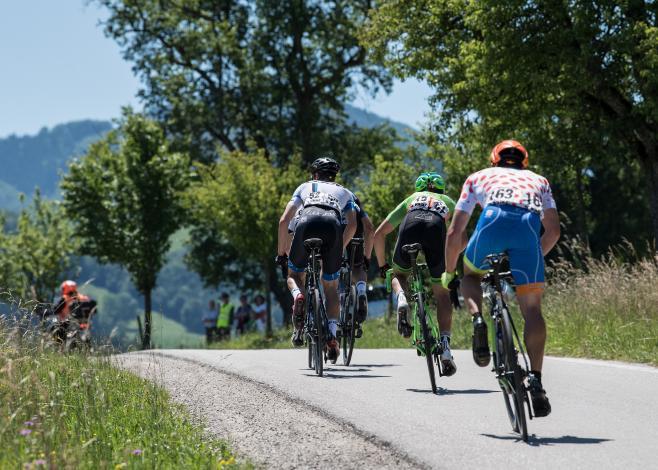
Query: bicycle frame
(315, 334)
(509, 372)
(419, 294)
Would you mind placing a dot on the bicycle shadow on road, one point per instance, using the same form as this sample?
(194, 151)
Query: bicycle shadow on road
(533, 440)
(445, 391)
(330, 374)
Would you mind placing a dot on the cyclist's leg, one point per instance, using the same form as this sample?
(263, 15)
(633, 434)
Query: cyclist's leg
(534, 333)
(487, 239)
(527, 266)
(433, 242)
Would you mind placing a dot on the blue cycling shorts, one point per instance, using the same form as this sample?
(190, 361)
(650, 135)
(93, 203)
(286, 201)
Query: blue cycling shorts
(513, 230)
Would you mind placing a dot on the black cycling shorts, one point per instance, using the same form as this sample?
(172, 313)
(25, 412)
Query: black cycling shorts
(428, 229)
(317, 222)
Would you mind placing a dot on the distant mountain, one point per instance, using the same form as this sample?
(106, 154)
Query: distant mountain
(365, 118)
(37, 160)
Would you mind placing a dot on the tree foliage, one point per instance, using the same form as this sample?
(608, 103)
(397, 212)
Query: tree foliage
(231, 72)
(38, 254)
(124, 197)
(237, 202)
(575, 81)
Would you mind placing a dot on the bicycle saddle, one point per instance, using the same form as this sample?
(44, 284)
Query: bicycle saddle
(411, 248)
(312, 243)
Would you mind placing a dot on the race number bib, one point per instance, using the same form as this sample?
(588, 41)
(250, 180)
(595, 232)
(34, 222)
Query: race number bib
(323, 200)
(428, 203)
(516, 197)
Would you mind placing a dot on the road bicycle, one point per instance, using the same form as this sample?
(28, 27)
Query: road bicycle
(315, 324)
(508, 348)
(348, 329)
(425, 333)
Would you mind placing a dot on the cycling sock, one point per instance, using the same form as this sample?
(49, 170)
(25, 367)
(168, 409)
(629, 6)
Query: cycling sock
(445, 335)
(361, 288)
(295, 292)
(401, 294)
(537, 374)
(333, 325)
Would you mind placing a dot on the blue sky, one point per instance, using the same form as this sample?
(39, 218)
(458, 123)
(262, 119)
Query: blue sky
(57, 66)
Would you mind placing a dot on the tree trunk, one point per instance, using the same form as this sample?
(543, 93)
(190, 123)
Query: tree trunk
(268, 298)
(651, 166)
(146, 339)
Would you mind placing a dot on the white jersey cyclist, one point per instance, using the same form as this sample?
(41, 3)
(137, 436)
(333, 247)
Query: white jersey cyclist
(325, 194)
(506, 186)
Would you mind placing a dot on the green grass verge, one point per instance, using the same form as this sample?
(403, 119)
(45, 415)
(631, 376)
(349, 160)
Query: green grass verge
(74, 411)
(605, 310)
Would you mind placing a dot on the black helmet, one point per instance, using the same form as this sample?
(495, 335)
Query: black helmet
(325, 166)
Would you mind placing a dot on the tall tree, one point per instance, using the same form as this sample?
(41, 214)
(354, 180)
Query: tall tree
(228, 72)
(37, 255)
(124, 196)
(241, 199)
(576, 81)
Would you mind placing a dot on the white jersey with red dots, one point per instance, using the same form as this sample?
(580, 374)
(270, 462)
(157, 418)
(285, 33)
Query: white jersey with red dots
(506, 186)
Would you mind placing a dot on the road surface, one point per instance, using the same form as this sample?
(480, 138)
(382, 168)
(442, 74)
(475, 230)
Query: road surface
(380, 412)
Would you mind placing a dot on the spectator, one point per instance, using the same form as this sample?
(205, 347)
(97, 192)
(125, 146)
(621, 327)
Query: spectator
(225, 317)
(210, 322)
(260, 313)
(242, 315)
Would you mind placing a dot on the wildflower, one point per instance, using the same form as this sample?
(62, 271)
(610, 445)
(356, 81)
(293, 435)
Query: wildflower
(121, 465)
(25, 432)
(28, 423)
(39, 462)
(137, 452)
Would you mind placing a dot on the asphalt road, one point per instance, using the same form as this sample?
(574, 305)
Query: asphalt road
(604, 413)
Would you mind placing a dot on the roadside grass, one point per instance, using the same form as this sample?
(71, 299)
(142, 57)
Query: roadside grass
(604, 309)
(76, 411)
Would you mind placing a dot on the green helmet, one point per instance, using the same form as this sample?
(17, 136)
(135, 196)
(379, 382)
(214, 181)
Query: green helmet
(429, 181)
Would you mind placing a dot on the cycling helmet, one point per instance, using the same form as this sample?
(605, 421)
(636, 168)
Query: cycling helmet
(509, 150)
(69, 287)
(430, 181)
(325, 166)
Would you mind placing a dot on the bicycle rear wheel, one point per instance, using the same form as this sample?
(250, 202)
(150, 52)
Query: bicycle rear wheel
(515, 397)
(428, 341)
(319, 337)
(349, 327)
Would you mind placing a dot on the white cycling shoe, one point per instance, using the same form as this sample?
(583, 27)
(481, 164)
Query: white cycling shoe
(448, 366)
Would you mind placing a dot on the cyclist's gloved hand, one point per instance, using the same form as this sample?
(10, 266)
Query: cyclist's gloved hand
(447, 280)
(383, 269)
(282, 261)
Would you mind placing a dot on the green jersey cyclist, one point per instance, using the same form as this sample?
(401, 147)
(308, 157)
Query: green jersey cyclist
(326, 211)
(422, 218)
(516, 202)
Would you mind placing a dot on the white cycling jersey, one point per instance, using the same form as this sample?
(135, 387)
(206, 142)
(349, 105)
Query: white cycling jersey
(324, 194)
(506, 186)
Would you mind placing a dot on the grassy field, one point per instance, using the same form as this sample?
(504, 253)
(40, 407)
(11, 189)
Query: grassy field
(79, 412)
(606, 309)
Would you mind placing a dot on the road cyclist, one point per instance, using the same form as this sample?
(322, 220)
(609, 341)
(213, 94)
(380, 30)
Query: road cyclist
(422, 218)
(515, 204)
(327, 211)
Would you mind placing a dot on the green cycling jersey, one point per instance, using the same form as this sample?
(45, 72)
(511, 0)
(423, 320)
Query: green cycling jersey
(423, 200)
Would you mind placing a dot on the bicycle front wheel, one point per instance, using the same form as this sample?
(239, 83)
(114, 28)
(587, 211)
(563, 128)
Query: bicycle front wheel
(428, 342)
(319, 337)
(514, 375)
(349, 327)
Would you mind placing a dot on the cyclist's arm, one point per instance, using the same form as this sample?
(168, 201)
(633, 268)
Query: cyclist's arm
(456, 239)
(350, 229)
(551, 223)
(368, 236)
(285, 219)
(380, 241)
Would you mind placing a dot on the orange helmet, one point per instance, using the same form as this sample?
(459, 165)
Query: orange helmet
(69, 287)
(510, 148)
